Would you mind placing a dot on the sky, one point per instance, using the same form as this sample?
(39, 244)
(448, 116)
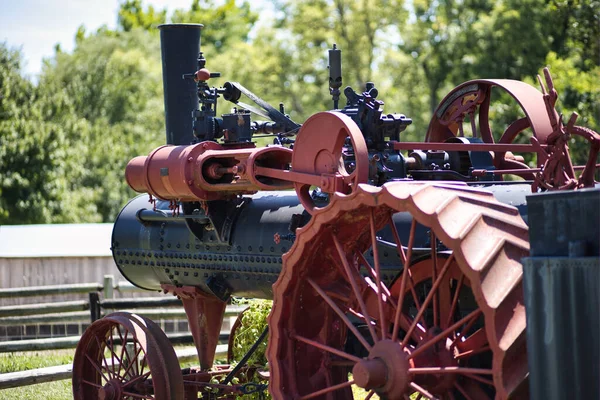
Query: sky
(36, 26)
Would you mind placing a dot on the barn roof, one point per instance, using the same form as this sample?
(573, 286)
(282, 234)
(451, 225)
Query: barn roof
(57, 240)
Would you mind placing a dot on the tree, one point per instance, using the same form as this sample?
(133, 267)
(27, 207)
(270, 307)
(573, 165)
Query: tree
(38, 163)
(132, 15)
(224, 24)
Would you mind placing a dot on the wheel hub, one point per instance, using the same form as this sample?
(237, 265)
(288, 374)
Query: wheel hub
(386, 369)
(111, 391)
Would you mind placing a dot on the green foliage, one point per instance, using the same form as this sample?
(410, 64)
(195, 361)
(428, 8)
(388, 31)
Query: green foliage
(253, 323)
(224, 23)
(65, 140)
(133, 16)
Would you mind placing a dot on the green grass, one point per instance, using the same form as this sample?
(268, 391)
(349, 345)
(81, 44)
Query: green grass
(23, 361)
(59, 390)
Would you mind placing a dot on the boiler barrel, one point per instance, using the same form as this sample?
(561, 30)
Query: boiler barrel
(151, 250)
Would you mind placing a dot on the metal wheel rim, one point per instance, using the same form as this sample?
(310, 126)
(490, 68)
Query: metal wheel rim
(147, 368)
(397, 197)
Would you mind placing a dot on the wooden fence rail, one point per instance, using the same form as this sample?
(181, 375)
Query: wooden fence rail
(108, 287)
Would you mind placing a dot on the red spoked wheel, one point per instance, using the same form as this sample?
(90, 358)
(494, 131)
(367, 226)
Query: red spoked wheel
(471, 100)
(451, 325)
(126, 356)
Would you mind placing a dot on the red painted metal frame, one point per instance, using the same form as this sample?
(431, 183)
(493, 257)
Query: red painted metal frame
(205, 317)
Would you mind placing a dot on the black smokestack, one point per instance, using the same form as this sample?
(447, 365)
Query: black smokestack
(180, 45)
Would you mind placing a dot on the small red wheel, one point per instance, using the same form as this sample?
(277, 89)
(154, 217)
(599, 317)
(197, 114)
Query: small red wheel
(126, 356)
(451, 326)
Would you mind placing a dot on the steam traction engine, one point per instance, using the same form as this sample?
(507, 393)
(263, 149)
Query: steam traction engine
(397, 262)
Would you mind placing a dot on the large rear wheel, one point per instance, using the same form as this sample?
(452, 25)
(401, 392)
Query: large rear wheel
(450, 326)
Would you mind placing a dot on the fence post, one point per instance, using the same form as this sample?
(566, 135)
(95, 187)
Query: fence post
(109, 285)
(94, 306)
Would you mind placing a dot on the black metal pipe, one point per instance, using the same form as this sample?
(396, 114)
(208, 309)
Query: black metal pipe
(180, 45)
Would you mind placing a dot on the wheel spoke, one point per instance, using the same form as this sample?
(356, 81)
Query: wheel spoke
(123, 342)
(104, 361)
(326, 348)
(471, 390)
(136, 379)
(382, 320)
(96, 367)
(428, 299)
(405, 273)
(91, 383)
(474, 342)
(131, 363)
(355, 288)
(138, 396)
(112, 352)
(480, 379)
(455, 298)
(341, 314)
(450, 370)
(462, 391)
(327, 390)
(470, 353)
(463, 332)
(444, 333)
(433, 240)
(422, 391)
(373, 274)
(399, 247)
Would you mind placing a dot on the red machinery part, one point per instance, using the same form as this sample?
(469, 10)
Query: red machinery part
(452, 325)
(318, 151)
(206, 171)
(474, 97)
(124, 356)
